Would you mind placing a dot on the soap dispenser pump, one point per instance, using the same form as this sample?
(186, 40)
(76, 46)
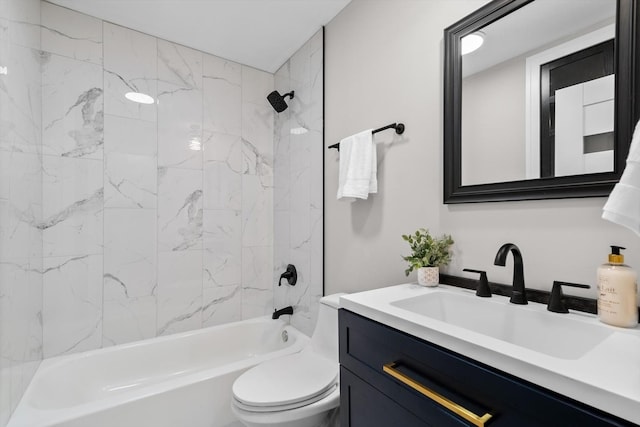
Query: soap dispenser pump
(617, 291)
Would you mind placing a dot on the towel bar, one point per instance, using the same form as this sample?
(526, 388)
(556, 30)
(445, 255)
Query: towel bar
(399, 127)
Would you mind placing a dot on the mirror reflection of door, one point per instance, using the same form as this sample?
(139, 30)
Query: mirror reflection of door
(501, 92)
(577, 111)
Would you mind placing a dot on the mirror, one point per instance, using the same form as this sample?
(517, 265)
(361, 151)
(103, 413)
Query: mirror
(543, 108)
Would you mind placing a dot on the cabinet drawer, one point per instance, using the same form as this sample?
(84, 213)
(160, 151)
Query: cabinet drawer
(367, 346)
(364, 406)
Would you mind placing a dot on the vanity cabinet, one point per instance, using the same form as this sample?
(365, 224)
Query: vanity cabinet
(389, 378)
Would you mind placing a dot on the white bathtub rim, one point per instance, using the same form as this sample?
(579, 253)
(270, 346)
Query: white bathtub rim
(29, 416)
(202, 331)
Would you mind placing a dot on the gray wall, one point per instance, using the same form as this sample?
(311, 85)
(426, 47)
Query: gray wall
(384, 64)
(493, 117)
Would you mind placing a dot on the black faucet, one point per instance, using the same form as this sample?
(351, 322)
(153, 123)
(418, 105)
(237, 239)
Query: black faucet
(518, 295)
(278, 313)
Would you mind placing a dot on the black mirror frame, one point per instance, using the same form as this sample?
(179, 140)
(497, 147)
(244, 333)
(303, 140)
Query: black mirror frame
(627, 98)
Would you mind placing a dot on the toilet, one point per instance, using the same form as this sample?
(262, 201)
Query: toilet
(298, 390)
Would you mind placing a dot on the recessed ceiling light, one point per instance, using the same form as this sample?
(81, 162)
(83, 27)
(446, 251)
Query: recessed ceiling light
(141, 98)
(471, 42)
(298, 131)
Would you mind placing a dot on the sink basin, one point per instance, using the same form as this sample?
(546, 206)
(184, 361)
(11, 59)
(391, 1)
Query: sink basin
(555, 335)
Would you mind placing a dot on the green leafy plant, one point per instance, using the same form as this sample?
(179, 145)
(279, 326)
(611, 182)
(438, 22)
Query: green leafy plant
(427, 251)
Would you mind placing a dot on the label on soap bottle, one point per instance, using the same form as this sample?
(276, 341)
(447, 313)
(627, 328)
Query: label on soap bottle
(617, 296)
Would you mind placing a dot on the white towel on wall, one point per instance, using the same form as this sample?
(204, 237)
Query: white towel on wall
(358, 167)
(623, 205)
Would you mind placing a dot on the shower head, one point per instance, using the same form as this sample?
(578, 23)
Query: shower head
(277, 101)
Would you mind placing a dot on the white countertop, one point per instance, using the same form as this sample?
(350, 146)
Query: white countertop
(606, 377)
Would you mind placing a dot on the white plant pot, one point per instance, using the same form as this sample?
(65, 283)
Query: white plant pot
(429, 276)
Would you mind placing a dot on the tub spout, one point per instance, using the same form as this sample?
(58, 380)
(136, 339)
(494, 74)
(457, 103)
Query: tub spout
(278, 313)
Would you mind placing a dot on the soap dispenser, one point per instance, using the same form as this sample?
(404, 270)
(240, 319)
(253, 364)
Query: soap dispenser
(617, 291)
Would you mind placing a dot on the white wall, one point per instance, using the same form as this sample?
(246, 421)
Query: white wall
(384, 64)
(20, 200)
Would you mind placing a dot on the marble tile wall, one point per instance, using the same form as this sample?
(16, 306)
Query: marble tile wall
(21, 209)
(298, 183)
(143, 234)
(112, 228)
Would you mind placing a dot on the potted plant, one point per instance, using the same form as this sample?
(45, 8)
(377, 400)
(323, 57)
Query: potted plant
(427, 255)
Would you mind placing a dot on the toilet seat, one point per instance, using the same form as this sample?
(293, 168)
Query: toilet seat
(280, 408)
(286, 383)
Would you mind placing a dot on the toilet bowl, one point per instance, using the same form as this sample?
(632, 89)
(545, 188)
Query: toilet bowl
(298, 390)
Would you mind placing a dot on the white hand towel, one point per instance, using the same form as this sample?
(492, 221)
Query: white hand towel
(358, 167)
(623, 205)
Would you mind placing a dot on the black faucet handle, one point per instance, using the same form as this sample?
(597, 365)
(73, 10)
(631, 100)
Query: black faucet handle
(556, 299)
(482, 290)
(291, 274)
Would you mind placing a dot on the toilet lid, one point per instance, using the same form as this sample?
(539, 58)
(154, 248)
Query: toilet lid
(285, 381)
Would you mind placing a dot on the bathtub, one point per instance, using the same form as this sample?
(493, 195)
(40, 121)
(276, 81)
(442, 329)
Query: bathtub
(181, 380)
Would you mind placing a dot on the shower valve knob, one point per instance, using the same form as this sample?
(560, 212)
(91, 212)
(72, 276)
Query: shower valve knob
(290, 274)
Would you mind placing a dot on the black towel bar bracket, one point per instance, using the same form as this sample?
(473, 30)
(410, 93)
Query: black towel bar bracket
(399, 127)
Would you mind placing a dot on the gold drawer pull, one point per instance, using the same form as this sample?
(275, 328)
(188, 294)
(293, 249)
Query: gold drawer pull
(390, 368)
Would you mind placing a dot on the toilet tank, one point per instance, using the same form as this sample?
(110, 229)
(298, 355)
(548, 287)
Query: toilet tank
(324, 340)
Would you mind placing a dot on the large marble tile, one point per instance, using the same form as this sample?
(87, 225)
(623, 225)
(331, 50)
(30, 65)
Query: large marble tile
(281, 238)
(222, 86)
(222, 248)
(130, 253)
(257, 212)
(257, 286)
(20, 206)
(316, 172)
(130, 65)
(129, 319)
(299, 64)
(130, 181)
(72, 206)
(222, 171)
(300, 231)
(21, 312)
(179, 209)
(316, 248)
(130, 136)
(315, 110)
(69, 33)
(257, 136)
(221, 305)
(72, 108)
(180, 272)
(179, 311)
(179, 106)
(21, 100)
(256, 85)
(24, 23)
(300, 187)
(179, 65)
(72, 304)
(179, 126)
(282, 162)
